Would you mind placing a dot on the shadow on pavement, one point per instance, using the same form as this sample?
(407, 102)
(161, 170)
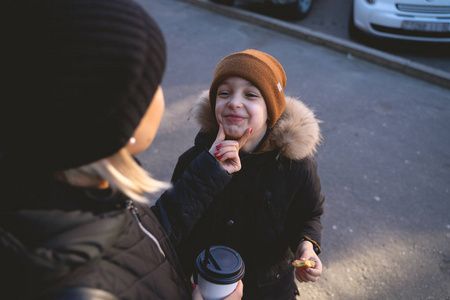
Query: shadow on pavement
(436, 50)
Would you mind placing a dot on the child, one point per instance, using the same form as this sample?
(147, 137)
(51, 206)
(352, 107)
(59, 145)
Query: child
(81, 95)
(270, 210)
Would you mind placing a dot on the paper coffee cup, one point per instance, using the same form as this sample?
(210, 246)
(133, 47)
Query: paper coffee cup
(218, 271)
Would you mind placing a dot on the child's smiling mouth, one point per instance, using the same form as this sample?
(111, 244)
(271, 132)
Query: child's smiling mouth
(232, 118)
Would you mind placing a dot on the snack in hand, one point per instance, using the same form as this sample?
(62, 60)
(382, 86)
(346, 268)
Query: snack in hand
(303, 264)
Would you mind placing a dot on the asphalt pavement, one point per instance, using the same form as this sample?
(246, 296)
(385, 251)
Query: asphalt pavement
(384, 164)
(332, 17)
(401, 64)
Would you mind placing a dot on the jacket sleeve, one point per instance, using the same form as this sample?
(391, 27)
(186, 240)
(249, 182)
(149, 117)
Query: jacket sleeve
(303, 220)
(180, 207)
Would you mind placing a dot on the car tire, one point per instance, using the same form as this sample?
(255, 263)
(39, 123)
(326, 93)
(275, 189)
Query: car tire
(354, 31)
(298, 10)
(224, 2)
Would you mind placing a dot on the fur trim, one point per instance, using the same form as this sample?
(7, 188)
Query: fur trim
(296, 134)
(202, 113)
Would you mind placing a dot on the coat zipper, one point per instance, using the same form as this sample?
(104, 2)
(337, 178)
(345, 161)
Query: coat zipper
(133, 210)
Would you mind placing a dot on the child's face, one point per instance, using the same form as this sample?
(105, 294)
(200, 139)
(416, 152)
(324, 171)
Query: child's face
(240, 105)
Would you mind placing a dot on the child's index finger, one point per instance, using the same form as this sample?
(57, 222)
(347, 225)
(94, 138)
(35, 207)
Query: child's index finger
(220, 134)
(243, 139)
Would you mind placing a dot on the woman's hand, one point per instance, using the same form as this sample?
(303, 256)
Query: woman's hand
(235, 295)
(306, 251)
(227, 151)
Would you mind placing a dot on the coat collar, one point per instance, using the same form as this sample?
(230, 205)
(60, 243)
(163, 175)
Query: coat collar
(296, 135)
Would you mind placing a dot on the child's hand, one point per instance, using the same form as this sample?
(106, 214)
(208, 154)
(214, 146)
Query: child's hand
(227, 151)
(305, 251)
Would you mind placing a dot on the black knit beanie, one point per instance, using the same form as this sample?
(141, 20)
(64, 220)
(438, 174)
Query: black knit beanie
(79, 76)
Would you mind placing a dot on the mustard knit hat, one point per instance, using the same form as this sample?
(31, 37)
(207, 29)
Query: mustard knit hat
(262, 70)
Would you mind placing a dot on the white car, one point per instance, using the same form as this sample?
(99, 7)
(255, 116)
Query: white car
(413, 20)
(297, 9)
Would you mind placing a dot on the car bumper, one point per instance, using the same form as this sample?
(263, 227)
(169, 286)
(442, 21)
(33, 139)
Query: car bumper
(407, 22)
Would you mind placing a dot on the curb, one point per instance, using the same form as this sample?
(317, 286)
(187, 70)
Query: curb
(397, 63)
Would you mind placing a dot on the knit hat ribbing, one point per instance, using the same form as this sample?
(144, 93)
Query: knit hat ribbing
(82, 74)
(262, 70)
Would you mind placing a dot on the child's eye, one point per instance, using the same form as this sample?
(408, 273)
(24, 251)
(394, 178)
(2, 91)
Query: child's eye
(223, 93)
(251, 95)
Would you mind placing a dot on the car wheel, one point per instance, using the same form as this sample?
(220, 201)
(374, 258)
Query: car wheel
(304, 7)
(298, 10)
(225, 2)
(354, 31)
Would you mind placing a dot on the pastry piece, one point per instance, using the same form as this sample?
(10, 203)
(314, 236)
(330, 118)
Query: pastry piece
(303, 264)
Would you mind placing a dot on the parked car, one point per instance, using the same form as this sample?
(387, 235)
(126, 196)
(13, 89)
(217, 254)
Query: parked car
(297, 9)
(413, 20)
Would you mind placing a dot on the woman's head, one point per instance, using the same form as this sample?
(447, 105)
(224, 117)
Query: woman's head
(80, 91)
(260, 69)
(120, 171)
(145, 132)
(83, 79)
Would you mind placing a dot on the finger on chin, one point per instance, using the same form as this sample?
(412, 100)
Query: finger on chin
(221, 133)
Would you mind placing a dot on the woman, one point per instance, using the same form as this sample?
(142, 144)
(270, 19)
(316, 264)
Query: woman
(78, 104)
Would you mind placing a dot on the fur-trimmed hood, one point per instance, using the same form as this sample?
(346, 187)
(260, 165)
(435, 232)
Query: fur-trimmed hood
(296, 134)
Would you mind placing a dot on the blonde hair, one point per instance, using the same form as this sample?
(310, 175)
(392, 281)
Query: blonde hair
(121, 171)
